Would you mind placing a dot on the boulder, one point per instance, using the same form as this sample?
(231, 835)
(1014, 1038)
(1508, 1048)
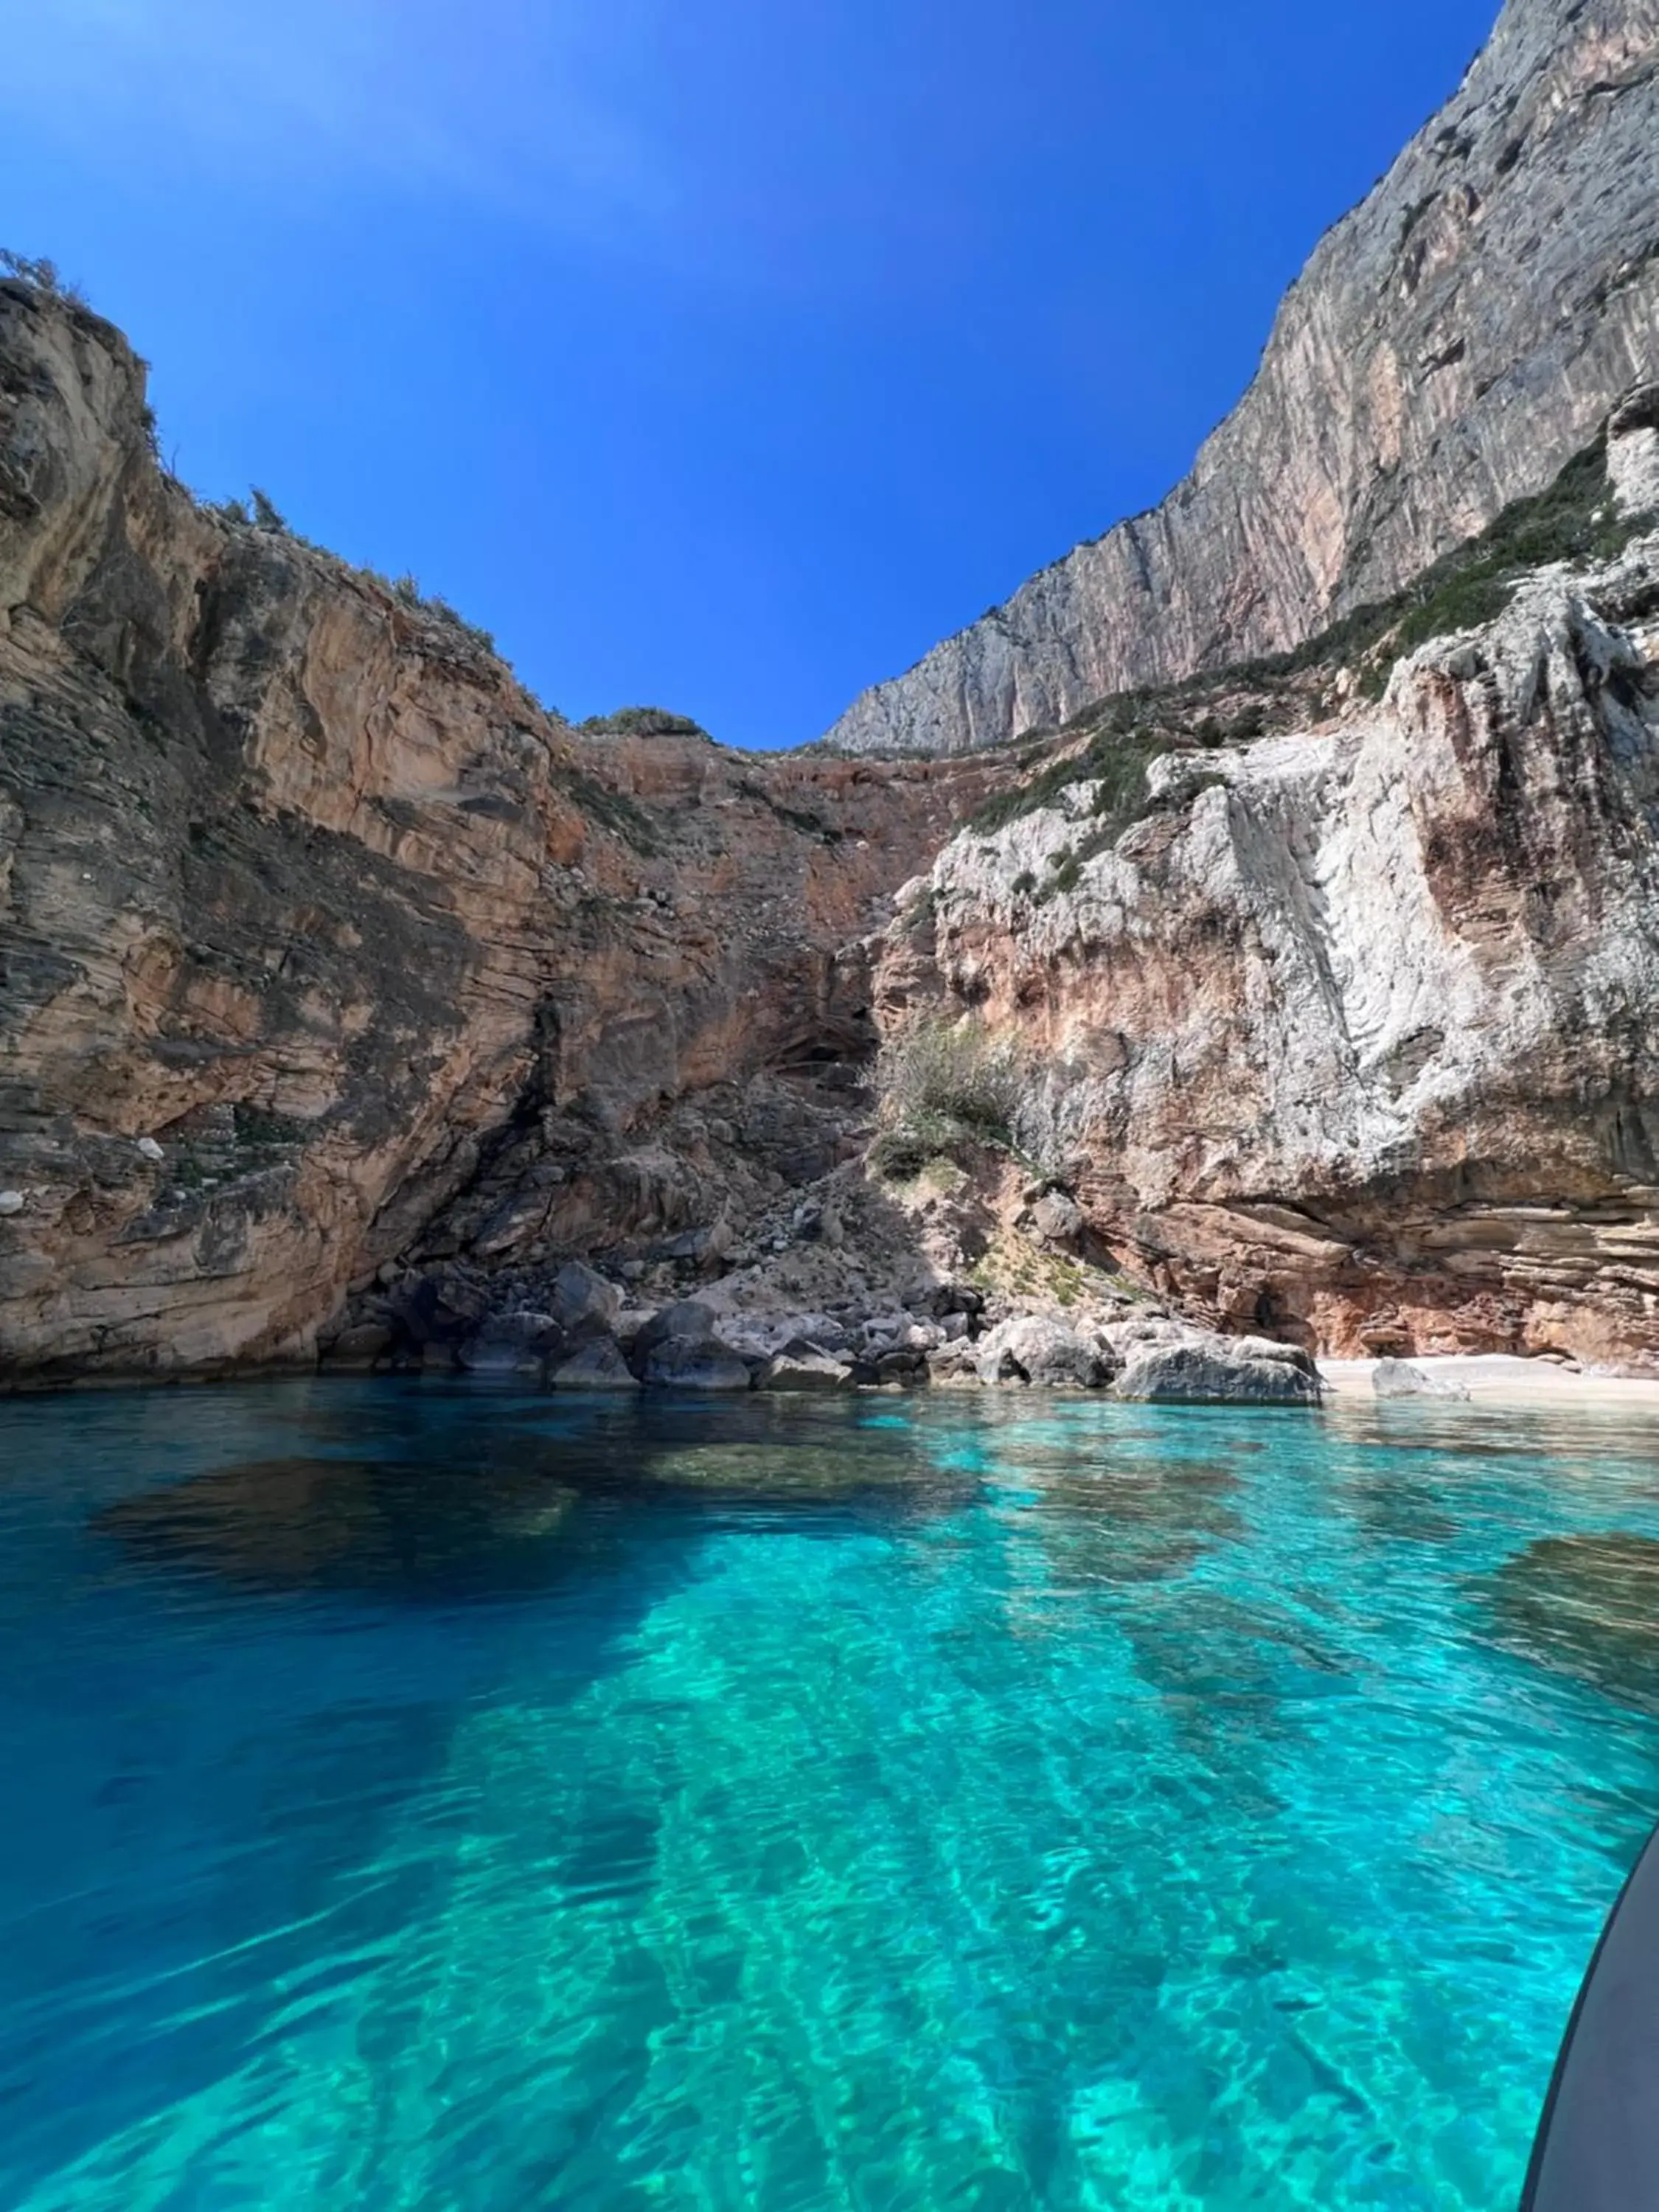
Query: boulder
(1032, 1348)
(595, 1364)
(1399, 1378)
(513, 1343)
(1268, 1348)
(1057, 1219)
(897, 1332)
(360, 1345)
(694, 1363)
(580, 1295)
(429, 1309)
(804, 1370)
(1147, 1332)
(688, 1318)
(814, 1346)
(952, 1366)
(909, 1367)
(1207, 1370)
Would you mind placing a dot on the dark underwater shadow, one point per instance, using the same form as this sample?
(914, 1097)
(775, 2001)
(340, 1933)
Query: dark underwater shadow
(1583, 1606)
(435, 1499)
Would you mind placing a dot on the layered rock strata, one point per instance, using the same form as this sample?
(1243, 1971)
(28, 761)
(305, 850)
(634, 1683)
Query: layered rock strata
(347, 997)
(322, 946)
(1449, 346)
(1354, 1035)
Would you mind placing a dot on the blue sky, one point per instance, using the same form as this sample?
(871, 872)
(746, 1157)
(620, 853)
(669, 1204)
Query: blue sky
(718, 354)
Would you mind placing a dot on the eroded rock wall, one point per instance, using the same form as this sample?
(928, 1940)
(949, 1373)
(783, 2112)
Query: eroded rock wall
(1449, 346)
(1354, 1037)
(319, 937)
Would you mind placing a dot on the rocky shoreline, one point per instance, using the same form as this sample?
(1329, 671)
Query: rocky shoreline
(587, 1338)
(952, 1280)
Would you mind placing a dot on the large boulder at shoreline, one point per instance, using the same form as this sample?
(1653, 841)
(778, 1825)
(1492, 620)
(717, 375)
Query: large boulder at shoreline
(581, 1296)
(597, 1363)
(518, 1343)
(694, 1363)
(688, 1319)
(1033, 1348)
(1401, 1379)
(1206, 1371)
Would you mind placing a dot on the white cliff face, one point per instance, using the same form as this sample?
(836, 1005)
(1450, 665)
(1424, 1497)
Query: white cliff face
(1356, 1033)
(1634, 453)
(1450, 345)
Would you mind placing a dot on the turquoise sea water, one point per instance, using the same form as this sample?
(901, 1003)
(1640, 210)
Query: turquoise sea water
(452, 1801)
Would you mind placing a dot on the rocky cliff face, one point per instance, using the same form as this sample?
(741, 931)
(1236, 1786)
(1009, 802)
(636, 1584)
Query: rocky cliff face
(345, 994)
(322, 945)
(1449, 346)
(1354, 1037)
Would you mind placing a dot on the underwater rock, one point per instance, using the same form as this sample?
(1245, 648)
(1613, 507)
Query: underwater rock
(784, 1471)
(354, 1524)
(1584, 1606)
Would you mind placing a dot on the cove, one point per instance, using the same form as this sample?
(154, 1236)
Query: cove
(425, 1795)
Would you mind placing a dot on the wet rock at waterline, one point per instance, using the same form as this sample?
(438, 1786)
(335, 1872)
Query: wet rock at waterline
(694, 1363)
(806, 1371)
(1221, 1372)
(596, 1364)
(1033, 1349)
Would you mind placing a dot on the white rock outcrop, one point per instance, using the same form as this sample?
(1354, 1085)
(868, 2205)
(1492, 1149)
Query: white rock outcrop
(1358, 1039)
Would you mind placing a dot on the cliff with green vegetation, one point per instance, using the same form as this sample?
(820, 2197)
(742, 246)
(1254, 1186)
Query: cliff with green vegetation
(1450, 347)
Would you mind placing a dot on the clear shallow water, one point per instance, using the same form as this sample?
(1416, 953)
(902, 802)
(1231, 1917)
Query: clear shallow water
(468, 1803)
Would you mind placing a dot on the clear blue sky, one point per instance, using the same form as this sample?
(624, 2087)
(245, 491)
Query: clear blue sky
(718, 354)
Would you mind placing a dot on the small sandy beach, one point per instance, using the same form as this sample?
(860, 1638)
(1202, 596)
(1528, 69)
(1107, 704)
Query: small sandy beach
(1498, 1378)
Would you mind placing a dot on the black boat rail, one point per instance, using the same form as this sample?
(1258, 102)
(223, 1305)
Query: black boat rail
(1597, 2147)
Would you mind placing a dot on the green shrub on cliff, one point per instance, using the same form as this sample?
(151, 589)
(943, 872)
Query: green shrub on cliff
(1112, 742)
(41, 275)
(642, 722)
(267, 515)
(945, 1084)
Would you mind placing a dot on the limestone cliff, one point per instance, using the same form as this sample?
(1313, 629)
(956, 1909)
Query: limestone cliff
(346, 994)
(1449, 346)
(1352, 1034)
(315, 927)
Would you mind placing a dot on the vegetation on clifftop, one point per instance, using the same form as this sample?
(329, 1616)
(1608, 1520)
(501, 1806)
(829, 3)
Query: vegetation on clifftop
(1111, 743)
(642, 722)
